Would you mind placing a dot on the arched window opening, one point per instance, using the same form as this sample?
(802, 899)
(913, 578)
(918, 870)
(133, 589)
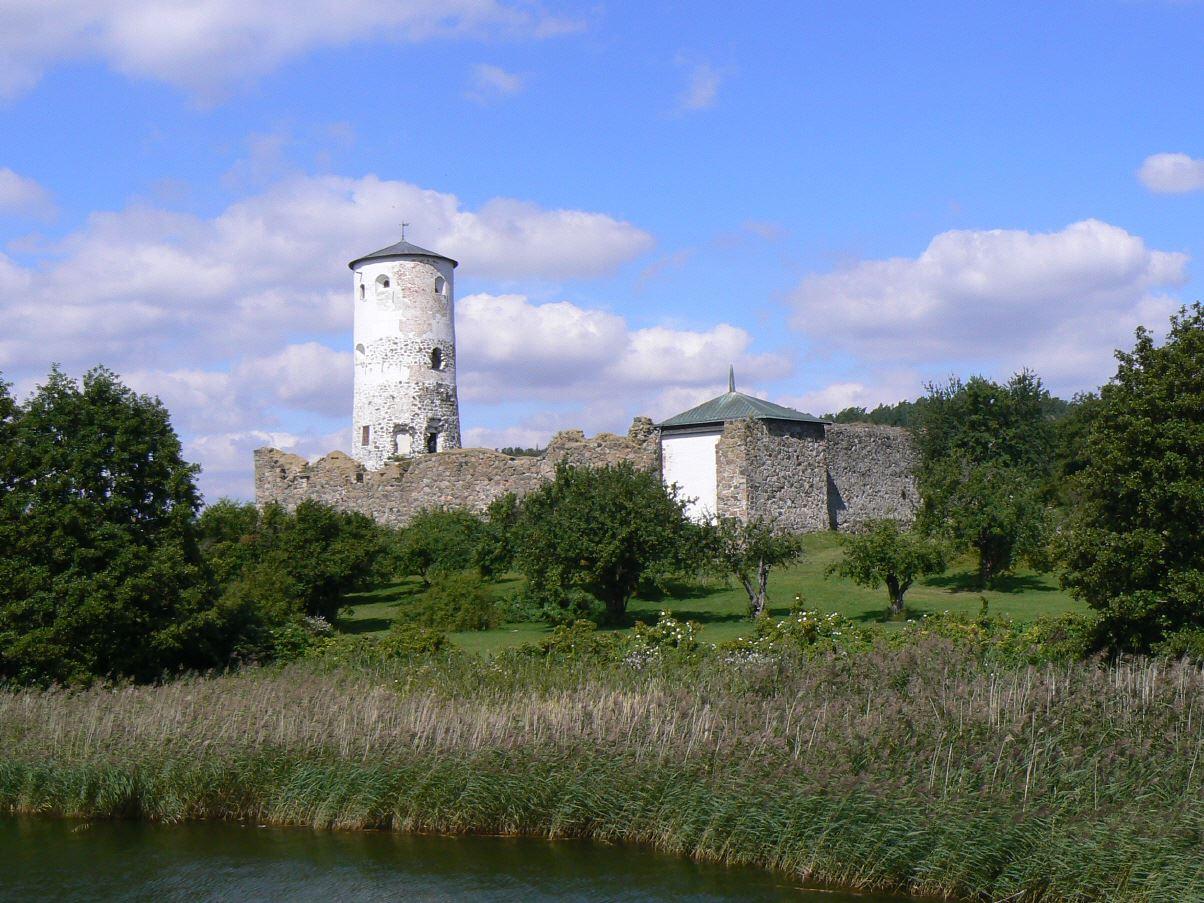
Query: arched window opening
(382, 287)
(361, 354)
(432, 443)
(363, 292)
(437, 359)
(440, 284)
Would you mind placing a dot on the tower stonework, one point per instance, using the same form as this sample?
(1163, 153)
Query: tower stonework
(405, 355)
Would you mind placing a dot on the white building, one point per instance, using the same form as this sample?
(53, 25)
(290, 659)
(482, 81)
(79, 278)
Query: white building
(405, 354)
(690, 445)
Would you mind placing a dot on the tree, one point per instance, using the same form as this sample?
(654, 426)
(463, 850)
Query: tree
(100, 572)
(440, 541)
(1136, 542)
(292, 564)
(749, 551)
(986, 458)
(589, 535)
(883, 553)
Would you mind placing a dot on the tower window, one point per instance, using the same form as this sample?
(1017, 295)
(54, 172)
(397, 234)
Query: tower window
(382, 287)
(365, 435)
(440, 284)
(363, 294)
(361, 353)
(432, 443)
(437, 359)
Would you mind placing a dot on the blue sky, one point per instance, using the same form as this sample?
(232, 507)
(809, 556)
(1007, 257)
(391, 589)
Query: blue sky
(846, 200)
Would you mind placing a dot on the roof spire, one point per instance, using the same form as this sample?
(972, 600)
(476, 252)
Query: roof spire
(731, 377)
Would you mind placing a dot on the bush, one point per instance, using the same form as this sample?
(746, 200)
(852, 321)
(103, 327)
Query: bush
(1188, 644)
(404, 640)
(578, 639)
(455, 602)
(804, 632)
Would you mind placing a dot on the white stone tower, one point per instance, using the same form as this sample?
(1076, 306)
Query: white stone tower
(405, 354)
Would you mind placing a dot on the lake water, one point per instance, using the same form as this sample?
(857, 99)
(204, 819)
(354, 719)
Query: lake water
(45, 859)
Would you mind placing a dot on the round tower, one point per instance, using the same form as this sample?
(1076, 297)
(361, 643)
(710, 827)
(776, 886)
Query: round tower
(405, 354)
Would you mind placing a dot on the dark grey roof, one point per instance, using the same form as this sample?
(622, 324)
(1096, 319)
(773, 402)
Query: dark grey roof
(401, 249)
(735, 405)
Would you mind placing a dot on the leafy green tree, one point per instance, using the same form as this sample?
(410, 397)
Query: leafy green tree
(293, 564)
(1135, 549)
(884, 553)
(100, 572)
(590, 534)
(495, 550)
(440, 541)
(986, 458)
(749, 551)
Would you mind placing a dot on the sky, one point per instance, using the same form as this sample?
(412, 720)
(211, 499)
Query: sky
(846, 201)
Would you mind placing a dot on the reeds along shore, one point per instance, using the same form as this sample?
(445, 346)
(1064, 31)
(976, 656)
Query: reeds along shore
(921, 768)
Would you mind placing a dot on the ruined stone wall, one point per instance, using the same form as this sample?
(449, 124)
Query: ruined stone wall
(459, 478)
(871, 474)
(774, 471)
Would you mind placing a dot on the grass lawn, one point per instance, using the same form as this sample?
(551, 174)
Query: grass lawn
(722, 609)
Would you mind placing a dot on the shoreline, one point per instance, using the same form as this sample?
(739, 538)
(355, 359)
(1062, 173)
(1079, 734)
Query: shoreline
(917, 771)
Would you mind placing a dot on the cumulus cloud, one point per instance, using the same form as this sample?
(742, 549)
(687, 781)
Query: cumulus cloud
(1172, 173)
(488, 83)
(22, 196)
(1058, 301)
(207, 46)
(145, 287)
(702, 88)
(510, 348)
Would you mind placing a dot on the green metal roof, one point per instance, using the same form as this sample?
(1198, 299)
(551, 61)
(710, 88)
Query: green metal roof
(402, 249)
(735, 405)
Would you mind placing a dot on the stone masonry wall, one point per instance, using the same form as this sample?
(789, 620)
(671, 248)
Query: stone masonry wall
(459, 478)
(871, 474)
(774, 471)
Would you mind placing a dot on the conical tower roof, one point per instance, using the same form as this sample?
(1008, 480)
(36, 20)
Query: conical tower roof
(400, 250)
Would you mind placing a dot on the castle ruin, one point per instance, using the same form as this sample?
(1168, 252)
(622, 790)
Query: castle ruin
(733, 456)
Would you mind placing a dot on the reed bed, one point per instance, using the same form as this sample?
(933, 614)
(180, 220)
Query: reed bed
(924, 769)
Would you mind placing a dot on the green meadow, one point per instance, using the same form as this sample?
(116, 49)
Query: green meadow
(721, 607)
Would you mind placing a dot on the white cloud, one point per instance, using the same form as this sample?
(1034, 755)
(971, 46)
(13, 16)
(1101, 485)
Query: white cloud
(207, 46)
(512, 349)
(1172, 173)
(21, 195)
(151, 288)
(702, 88)
(488, 83)
(1059, 302)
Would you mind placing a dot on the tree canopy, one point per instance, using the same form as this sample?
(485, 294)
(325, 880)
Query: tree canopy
(1136, 545)
(100, 573)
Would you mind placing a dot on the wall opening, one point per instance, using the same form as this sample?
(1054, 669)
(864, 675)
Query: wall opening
(401, 441)
(432, 443)
(361, 354)
(382, 287)
(436, 359)
(440, 285)
(365, 435)
(363, 292)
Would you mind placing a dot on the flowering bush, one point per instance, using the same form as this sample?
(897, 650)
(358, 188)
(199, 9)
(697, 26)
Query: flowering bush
(801, 631)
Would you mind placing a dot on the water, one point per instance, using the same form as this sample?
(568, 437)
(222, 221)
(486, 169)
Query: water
(45, 859)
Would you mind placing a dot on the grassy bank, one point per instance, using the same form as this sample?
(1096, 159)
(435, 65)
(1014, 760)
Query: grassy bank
(722, 608)
(918, 768)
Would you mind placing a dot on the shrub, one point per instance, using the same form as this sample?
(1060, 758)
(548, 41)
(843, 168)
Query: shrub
(1188, 644)
(578, 639)
(455, 602)
(667, 633)
(405, 640)
(800, 632)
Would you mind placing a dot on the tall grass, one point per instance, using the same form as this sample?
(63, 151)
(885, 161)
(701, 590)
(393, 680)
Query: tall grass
(919, 768)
